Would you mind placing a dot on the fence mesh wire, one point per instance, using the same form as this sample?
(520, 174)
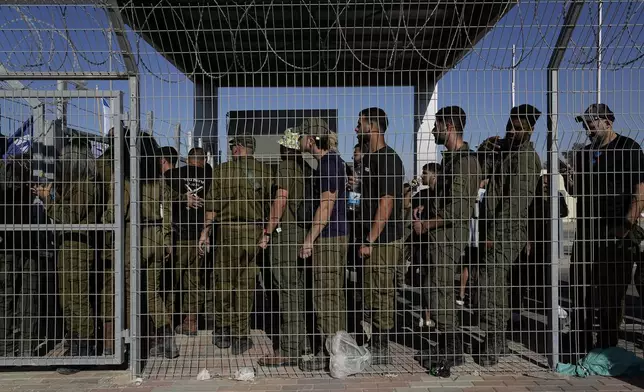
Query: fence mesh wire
(285, 171)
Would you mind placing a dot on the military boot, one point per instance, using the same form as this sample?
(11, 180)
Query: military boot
(221, 337)
(241, 345)
(492, 349)
(164, 345)
(379, 347)
(77, 348)
(447, 353)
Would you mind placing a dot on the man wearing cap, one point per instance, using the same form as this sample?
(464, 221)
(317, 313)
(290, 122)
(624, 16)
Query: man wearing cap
(238, 197)
(608, 181)
(457, 183)
(326, 241)
(286, 235)
(382, 247)
(514, 168)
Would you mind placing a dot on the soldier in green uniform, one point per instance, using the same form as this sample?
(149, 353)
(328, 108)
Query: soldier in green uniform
(238, 198)
(154, 242)
(286, 235)
(457, 186)
(75, 200)
(513, 167)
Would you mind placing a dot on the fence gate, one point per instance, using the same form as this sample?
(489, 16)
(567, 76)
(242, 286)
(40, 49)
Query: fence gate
(61, 251)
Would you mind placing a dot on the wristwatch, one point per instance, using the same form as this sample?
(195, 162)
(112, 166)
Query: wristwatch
(367, 243)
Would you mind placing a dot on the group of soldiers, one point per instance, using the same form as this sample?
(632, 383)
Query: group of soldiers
(189, 216)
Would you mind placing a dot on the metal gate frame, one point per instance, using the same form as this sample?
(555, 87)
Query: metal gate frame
(120, 334)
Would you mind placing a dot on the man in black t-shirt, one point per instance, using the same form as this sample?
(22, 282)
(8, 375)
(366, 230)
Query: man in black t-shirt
(186, 186)
(608, 181)
(381, 249)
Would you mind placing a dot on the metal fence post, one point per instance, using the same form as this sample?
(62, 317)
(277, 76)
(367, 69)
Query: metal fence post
(119, 232)
(570, 21)
(135, 343)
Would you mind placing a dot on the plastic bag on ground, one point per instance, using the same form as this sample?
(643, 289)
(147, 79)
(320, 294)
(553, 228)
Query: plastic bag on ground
(347, 357)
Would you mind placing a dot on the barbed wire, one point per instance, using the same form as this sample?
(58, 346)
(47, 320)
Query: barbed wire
(55, 45)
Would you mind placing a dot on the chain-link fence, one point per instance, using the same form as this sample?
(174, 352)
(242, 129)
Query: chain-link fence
(456, 185)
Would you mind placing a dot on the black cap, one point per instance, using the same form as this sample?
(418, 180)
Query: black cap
(455, 114)
(168, 152)
(529, 112)
(595, 112)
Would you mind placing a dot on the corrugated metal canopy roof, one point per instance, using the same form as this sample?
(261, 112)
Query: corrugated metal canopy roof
(278, 43)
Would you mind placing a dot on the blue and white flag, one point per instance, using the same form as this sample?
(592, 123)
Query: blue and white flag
(108, 115)
(20, 142)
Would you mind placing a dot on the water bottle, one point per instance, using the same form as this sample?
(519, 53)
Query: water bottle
(353, 203)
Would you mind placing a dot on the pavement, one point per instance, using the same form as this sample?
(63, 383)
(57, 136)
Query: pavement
(121, 381)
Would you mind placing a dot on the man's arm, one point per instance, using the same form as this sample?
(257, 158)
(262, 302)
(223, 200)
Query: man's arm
(322, 215)
(637, 205)
(277, 210)
(457, 205)
(519, 191)
(386, 206)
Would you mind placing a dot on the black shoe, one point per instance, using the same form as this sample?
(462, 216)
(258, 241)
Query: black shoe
(164, 345)
(491, 350)
(241, 345)
(317, 363)
(379, 347)
(76, 349)
(448, 353)
(221, 338)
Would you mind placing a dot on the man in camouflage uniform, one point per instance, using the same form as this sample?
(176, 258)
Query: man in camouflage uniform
(286, 235)
(75, 200)
(19, 267)
(154, 242)
(513, 167)
(238, 198)
(456, 190)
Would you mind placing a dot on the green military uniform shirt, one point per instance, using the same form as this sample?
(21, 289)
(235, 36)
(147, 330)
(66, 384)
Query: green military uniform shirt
(152, 206)
(76, 204)
(456, 192)
(513, 181)
(241, 191)
(290, 177)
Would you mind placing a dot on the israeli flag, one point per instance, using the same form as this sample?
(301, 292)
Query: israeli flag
(108, 116)
(20, 142)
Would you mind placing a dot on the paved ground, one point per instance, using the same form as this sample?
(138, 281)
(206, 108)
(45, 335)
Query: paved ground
(118, 381)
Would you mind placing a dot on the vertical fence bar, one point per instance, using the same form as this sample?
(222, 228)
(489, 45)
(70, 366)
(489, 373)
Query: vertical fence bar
(135, 343)
(119, 232)
(553, 170)
(570, 21)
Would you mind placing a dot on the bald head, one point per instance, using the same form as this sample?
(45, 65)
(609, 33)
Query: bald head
(197, 157)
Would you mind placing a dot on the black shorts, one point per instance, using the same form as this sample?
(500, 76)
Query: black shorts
(472, 256)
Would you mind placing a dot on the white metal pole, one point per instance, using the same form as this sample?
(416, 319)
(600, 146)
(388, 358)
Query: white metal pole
(600, 10)
(514, 75)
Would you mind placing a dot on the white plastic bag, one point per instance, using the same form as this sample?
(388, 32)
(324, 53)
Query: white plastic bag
(347, 357)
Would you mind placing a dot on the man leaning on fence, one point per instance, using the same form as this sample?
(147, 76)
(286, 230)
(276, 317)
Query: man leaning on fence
(607, 176)
(456, 190)
(238, 199)
(513, 167)
(381, 248)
